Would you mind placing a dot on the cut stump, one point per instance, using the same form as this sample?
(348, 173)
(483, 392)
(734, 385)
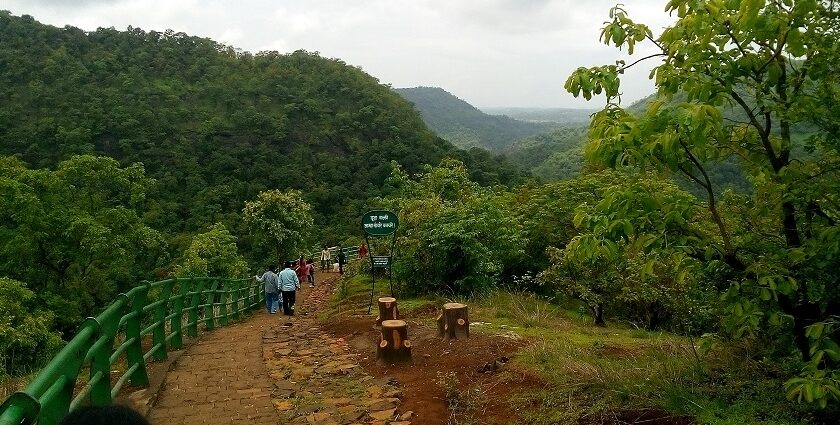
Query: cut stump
(454, 322)
(394, 345)
(387, 310)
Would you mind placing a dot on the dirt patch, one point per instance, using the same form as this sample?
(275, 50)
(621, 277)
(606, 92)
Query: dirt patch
(478, 364)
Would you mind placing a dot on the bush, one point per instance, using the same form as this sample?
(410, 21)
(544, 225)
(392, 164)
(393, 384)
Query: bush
(26, 341)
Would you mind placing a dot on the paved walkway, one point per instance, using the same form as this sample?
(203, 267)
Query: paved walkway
(272, 370)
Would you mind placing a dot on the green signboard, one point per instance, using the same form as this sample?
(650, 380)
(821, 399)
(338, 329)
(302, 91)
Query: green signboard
(380, 223)
(381, 262)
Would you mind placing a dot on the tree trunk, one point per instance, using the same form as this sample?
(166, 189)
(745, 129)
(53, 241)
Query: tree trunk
(598, 315)
(387, 310)
(394, 345)
(454, 321)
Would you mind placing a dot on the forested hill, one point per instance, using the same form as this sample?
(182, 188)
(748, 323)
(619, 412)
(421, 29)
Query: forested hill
(213, 125)
(463, 124)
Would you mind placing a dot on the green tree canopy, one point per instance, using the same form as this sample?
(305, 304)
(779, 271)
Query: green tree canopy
(74, 234)
(280, 221)
(455, 237)
(213, 253)
(26, 335)
(776, 62)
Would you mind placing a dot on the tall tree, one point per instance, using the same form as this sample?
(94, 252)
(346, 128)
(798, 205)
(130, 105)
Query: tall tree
(775, 62)
(213, 253)
(281, 221)
(74, 234)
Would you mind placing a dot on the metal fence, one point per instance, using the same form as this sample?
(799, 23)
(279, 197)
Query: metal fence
(137, 327)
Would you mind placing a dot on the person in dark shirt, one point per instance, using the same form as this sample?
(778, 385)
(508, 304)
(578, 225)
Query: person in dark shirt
(342, 259)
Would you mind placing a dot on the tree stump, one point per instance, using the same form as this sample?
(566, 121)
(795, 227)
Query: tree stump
(387, 310)
(454, 321)
(394, 345)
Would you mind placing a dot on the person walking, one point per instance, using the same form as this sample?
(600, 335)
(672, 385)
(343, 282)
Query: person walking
(271, 287)
(342, 259)
(300, 269)
(325, 258)
(310, 272)
(289, 283)
(363, 251)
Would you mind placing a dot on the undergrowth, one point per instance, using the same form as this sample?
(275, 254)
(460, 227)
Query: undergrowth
(586, 374)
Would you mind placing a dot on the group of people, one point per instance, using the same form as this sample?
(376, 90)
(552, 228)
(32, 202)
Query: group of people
(280, 288)
(326, 257)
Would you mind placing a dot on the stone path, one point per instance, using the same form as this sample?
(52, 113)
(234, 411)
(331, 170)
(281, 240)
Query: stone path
(317, 379)
(273, 370)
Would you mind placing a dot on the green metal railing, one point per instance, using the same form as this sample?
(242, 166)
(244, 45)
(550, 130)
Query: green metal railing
(137, 327)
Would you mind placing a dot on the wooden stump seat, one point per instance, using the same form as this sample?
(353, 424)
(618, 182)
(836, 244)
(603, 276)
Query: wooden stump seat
(454, 321)
(394, 345)
(387, 310)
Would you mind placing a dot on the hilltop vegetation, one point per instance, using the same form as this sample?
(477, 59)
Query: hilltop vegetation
(214, 126)
(463, 124)
(129, 155)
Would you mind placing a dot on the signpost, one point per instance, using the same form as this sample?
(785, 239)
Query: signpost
(379, 223)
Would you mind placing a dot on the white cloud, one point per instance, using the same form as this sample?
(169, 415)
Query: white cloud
(488, 52)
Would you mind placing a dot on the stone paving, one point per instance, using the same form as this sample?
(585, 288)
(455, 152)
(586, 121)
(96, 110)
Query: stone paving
(271, 369)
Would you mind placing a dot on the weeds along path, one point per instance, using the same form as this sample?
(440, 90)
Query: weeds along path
(315, 377)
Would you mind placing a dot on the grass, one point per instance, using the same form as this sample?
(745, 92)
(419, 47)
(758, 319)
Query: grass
(606, 374)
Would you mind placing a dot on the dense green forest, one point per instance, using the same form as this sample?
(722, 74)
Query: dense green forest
(133, 153)
(465, 125)
(190, 130)
(212, 126)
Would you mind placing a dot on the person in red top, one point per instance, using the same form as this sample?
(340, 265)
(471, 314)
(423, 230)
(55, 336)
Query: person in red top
(300, 269)
(310, 272)
(363, 251)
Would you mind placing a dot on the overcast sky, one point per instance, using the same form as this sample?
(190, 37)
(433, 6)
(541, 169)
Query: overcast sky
(487, 52)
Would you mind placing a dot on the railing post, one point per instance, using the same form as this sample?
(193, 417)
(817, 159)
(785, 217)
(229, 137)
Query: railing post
(176, 323)
(209, 314)
(197, 288)
(225, 292)
(108, 323)
(236, 294)
(134, 352)
(159, 332)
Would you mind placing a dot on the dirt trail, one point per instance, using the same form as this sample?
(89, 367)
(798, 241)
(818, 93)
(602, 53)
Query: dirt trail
(271, 369)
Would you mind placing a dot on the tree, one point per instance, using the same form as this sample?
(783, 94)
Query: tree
(608, 263)
(455, 236)
(74, 234)
(281, 221)
(26, 335)
(772, 64)
(213, 253)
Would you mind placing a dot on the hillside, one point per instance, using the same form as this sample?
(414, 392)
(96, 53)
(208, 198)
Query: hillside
(213, 125)
(465, 125)
(564, 116)
(556, 155)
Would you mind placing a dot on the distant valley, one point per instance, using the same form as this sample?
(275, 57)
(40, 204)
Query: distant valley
(545, 141)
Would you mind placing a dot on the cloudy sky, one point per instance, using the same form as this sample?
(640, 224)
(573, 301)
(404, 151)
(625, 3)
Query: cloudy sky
(487, 52)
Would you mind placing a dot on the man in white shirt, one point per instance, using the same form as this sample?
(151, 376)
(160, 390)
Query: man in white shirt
(325, 258)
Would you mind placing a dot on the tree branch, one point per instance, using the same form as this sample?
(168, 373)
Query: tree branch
(729, 255)
(641, 59)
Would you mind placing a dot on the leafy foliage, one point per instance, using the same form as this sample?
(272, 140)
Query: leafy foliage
(75, 233)
(771, 60)
(212, 253)
(456, 237)
(280, 221)
(26, 337)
